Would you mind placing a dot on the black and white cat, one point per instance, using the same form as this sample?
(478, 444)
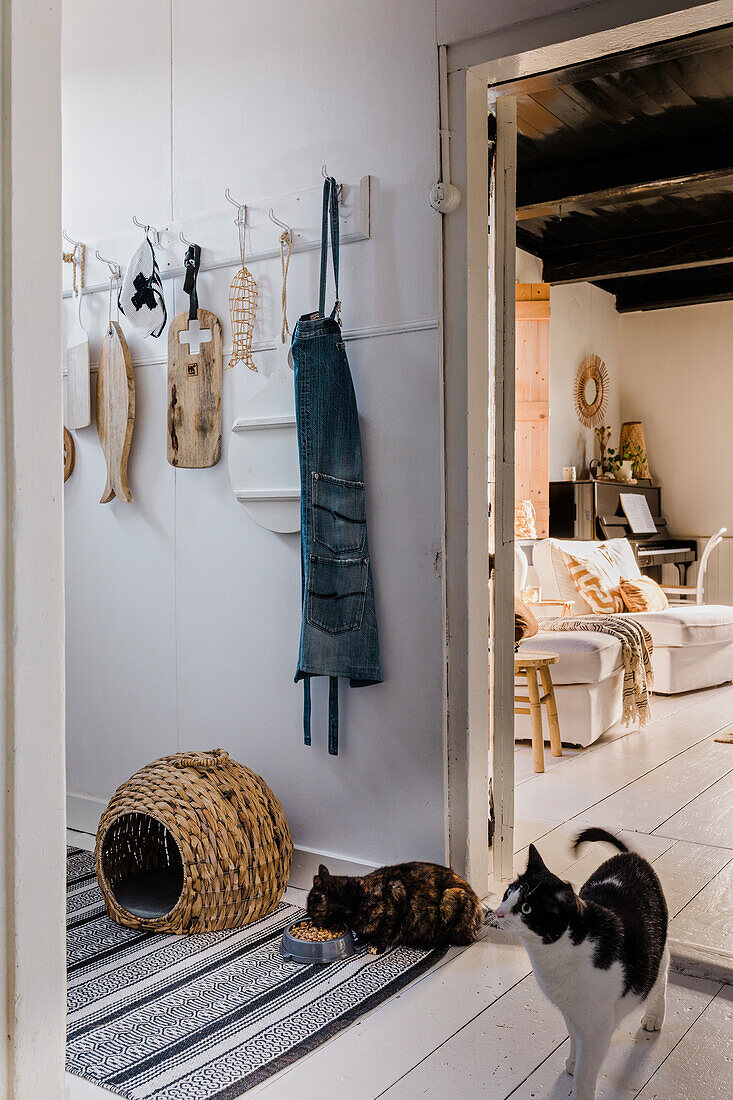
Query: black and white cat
(598, 954)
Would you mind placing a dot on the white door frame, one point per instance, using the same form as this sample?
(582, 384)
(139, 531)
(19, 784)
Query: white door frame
(472, 67)
(32, 816)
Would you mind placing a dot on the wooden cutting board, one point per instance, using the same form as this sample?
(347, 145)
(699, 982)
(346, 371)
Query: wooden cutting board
(78, 399)
(194, 391)
(115, 412)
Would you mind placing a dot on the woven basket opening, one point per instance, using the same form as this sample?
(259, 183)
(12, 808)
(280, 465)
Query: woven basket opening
(143, 866)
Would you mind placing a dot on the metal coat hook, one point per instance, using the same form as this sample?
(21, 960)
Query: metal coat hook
(65, 235)
(147, 228)
(282, 225)
(183, 239)
(325, 174)
(241, 218)
(114, 268)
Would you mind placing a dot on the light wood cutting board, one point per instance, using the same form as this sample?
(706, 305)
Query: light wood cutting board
(194, 393)
(115, 412)
(78, 397)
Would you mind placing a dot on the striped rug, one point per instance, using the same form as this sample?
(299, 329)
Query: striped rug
(205, 1017)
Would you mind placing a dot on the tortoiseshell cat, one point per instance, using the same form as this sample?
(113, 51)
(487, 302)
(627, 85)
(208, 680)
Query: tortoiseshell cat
(415, 904)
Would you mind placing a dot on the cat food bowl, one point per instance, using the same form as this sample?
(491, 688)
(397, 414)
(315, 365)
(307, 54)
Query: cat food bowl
(303, 943)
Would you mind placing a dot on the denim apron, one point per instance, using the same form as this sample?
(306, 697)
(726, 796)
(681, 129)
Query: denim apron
(338, 635)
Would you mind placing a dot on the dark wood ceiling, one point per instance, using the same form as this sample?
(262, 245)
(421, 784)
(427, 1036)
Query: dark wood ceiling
(625, 173)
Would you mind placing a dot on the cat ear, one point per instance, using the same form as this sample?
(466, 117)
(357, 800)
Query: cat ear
(535, 863)
(564, 896)
(323, 873)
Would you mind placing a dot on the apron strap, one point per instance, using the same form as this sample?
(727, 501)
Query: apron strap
(192, 263)
(330, 216)
(306, 711)
(333, 713)
(333, 716)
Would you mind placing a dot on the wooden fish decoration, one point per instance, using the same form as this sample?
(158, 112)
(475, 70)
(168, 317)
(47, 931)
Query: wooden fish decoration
(115, 411)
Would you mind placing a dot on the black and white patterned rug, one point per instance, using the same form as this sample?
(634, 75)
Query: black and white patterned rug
(205, 1017)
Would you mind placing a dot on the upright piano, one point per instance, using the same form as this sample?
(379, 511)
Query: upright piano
(593, 510)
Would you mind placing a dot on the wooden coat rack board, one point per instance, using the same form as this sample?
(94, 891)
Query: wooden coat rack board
(215, 232)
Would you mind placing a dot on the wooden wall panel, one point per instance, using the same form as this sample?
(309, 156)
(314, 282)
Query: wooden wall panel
(532, 444)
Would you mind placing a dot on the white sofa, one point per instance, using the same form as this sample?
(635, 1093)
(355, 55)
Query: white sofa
(693, 646)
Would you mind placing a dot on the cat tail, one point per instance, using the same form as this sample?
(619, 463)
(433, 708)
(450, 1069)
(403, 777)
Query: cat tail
(599, 834)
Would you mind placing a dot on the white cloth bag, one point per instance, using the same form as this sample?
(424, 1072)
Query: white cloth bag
(141, 297)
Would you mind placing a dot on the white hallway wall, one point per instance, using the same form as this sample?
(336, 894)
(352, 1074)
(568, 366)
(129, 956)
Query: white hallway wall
(183, 615)
(170, 639)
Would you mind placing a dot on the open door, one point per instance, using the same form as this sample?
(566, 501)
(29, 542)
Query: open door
(502, 269)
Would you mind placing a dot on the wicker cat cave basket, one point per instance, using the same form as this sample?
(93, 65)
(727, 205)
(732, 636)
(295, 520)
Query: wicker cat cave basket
(193, 842)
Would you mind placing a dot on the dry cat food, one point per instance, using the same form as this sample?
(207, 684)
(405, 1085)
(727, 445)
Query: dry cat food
(307, 931)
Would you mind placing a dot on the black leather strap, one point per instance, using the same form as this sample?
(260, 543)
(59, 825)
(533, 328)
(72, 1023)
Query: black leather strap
(192, 263)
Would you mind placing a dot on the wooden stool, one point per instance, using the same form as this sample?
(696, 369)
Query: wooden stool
(528, 665)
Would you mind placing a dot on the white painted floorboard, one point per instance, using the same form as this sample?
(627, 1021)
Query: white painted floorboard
(478, 1026)
(496, 1055)
(702, 1064)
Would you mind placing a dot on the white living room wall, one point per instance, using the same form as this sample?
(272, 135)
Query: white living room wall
(583, 321)
(183, 615)
(676, 378)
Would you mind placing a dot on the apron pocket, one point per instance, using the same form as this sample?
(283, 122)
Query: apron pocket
(339, 515)
(336, 593)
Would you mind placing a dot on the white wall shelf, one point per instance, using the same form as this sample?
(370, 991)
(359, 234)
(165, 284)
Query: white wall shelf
(257, 423)
(268, 494)
(263, 452)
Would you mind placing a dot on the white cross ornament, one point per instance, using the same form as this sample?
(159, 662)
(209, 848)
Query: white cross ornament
(194, 336)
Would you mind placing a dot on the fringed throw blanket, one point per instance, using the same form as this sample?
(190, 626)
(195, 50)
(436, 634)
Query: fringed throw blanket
(636, 650)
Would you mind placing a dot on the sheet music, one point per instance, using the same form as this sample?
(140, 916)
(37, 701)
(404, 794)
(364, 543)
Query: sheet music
(638, 514)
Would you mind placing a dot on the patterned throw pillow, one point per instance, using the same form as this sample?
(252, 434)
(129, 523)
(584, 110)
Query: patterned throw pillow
(643, 594)
(594, 580)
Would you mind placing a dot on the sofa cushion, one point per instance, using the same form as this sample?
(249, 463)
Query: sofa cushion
(643, 594)
(693, 624)
(586, 657)
(594, 580)
(553, 574)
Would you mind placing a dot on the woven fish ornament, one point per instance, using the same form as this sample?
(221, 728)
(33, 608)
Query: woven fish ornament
(242, 310)
(242, 307)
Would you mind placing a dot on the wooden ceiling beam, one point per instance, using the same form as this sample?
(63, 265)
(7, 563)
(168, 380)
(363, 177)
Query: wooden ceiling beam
(528, 243)
(668, 250)
(639, 304)
(671, 162)
(700, 42)
(670, 289)
(714, 180)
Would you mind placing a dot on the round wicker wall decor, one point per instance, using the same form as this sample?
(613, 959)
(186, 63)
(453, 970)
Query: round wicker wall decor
(591, 391)
(193, 842)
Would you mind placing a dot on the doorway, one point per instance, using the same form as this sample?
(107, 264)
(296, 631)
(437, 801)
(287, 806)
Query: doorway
(469, 87)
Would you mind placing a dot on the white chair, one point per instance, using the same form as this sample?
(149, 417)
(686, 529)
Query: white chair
(685, 593)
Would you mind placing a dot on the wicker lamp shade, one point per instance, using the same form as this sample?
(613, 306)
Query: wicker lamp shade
(632, 435)
(193, 842)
